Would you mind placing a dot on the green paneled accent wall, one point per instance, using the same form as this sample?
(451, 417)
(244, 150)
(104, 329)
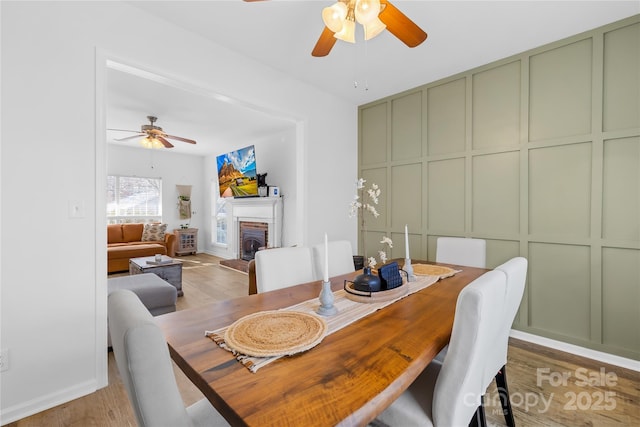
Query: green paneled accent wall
(560, 190)
(539, 154)
(496, 182)
(496, 106)
(446, 117)
(406, 127)
(621, 187)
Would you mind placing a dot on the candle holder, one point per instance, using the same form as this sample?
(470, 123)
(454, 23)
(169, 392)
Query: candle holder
(326, 301)
(409, 269)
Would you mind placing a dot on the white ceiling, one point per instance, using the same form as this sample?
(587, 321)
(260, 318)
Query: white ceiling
(281, 34)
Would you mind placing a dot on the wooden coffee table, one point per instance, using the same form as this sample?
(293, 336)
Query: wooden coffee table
(170, 271)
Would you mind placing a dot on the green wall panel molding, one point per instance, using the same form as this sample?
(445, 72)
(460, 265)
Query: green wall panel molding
(496, 189)
(446, 191)
(621, 190)
(621, 298)
(538, 154)
(496, 106)
(406, 127)
(446, 117)
(375, 133)
(622, 78)
(560, 91)
(560, 190)
(406, 196)
(559, 289)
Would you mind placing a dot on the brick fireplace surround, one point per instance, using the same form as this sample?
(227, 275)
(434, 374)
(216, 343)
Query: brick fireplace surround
(255, 214)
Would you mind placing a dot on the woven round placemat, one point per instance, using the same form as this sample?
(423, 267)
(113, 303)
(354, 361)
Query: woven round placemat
(433, 270)
(275, 333)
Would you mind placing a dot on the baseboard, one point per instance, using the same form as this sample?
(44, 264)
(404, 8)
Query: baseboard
(600, 356)
(26, 409)
(220, 254)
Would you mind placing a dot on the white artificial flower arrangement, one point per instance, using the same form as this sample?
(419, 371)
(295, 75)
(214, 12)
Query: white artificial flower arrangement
(358, 206)
(365, 200)
(382, 254)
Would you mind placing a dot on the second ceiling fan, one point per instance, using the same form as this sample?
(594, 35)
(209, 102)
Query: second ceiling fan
(154, 136)
(373, 15)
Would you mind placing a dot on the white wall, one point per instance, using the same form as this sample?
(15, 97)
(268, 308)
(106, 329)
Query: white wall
(174, 169)
(53, 274)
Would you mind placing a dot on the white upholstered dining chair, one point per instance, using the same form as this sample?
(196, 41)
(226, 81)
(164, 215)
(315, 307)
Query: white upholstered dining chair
(283, 267)
(144, 364)
(340, 258)
(516, 271)
(462, 251)
(451, 393)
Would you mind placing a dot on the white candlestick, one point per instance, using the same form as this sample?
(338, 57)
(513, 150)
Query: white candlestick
(326, 259)
(406, 242)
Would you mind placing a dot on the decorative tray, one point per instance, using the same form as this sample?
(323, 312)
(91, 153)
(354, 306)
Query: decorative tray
(275, 333)
(371, 297)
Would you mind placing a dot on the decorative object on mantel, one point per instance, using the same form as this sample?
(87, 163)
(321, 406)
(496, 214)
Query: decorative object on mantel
(326, 295)
(263, 188)
(274, 191)
(184, 201)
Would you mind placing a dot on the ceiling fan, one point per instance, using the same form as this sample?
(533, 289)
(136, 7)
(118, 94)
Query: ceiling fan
(374, 15)
(154, 136)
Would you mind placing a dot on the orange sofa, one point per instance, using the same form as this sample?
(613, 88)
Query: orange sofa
(124, 241)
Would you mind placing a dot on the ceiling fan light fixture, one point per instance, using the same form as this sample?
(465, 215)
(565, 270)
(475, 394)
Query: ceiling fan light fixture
(373, 28)
(151, 142)
(334, 16)
(348, 32)
(367, 11)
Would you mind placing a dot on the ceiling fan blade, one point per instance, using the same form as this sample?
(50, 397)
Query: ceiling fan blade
(190, 141)
(400, 26)
(324, 44)
(125, 130)
(166, 143)
(130, 137)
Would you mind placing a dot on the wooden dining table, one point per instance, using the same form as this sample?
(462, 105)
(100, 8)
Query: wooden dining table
(346, 380)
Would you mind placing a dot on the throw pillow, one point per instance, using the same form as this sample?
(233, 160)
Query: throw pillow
(154, 232)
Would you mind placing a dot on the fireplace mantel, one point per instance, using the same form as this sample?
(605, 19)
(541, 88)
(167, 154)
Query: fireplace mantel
(254, 209)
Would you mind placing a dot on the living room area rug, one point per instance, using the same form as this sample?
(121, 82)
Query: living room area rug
(236, 264)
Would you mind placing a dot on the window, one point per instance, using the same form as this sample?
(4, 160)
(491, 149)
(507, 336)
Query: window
(221, 221)
(134, 199)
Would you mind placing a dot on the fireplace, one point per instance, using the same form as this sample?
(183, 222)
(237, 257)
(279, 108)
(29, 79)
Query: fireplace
(266, 211)
(253, 237)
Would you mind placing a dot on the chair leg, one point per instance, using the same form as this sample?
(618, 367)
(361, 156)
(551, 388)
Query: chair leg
(479, 419)
(503, 392)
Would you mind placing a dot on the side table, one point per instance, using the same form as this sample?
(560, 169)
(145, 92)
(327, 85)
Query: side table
(170, 271)
(186, 240)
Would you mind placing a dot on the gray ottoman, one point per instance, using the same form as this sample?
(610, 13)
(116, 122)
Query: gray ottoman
(157, 295)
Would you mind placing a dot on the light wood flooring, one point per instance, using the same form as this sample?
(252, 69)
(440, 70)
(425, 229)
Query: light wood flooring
(593, 394)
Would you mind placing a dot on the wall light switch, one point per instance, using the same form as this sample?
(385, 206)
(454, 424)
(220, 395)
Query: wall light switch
(76, 209)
